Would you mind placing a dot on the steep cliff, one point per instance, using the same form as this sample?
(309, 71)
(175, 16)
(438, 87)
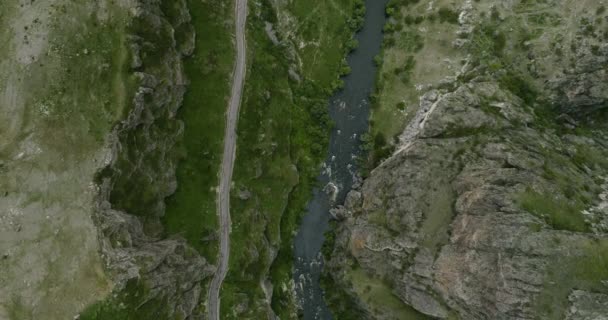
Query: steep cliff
(161, 274)
(492, 204)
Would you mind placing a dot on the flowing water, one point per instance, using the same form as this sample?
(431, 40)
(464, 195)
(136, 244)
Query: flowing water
(349, 108)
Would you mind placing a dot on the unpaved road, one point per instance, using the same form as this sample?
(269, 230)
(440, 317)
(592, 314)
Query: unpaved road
(223, 195)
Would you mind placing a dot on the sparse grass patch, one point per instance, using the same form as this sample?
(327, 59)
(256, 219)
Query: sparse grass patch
(132, 303)
(560, 213)
(378, 295)
(584, 270)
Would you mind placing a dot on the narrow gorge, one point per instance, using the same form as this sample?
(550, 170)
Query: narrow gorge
(392, 159)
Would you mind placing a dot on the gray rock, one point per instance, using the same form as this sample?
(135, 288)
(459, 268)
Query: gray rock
(353, 199)
(339, 213)
(585, 89)
(440, 220)
(587, 306)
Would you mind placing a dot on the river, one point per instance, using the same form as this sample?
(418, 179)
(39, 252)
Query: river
(349, 109)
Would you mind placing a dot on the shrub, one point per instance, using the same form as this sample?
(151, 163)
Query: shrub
(448, 15)
(352, 44)
(519, 87)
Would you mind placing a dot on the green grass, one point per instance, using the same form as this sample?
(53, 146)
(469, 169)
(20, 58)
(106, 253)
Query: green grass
(130, 303)
(191, 211)
(559, 213)
(76, 87)
(380, 298)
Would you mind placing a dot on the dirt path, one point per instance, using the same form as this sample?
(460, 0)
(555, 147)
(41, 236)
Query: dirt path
(223, 195)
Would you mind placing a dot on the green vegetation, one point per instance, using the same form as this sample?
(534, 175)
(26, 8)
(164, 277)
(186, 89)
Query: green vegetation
(519, 87)
(138, 182)
(342, 304)
(131, 303)
(575, 189)
(584, 270)
(448, 15)
(283, 133)
(82, 89)
(378, 296)
(191, 210)
(487, 44)
(415, 41)
(561, 214)
(377, 149)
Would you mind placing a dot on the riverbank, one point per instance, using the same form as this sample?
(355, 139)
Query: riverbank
(282, 136)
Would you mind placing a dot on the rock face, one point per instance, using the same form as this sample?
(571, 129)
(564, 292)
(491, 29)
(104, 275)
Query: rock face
(585, 87)
(442, 219)
(485, 211)
(141, 170)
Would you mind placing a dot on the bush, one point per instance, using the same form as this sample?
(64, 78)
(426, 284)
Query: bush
(519, 87)
(352, 44)
(448, 15)
(389, 28)
(388, 42)
(378, 59)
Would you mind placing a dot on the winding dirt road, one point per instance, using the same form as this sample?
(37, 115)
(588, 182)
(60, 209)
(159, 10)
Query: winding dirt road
(223, 195)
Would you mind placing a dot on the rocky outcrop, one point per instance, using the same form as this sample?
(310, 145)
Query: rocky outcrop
(588, 306)
(442, 219)
(141, 171)
(493, 205)
(584, 88)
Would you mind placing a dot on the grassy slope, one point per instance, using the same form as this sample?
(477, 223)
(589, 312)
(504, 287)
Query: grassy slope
(132, 303)
(415, 46)
(74, 92)
(191, 210)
